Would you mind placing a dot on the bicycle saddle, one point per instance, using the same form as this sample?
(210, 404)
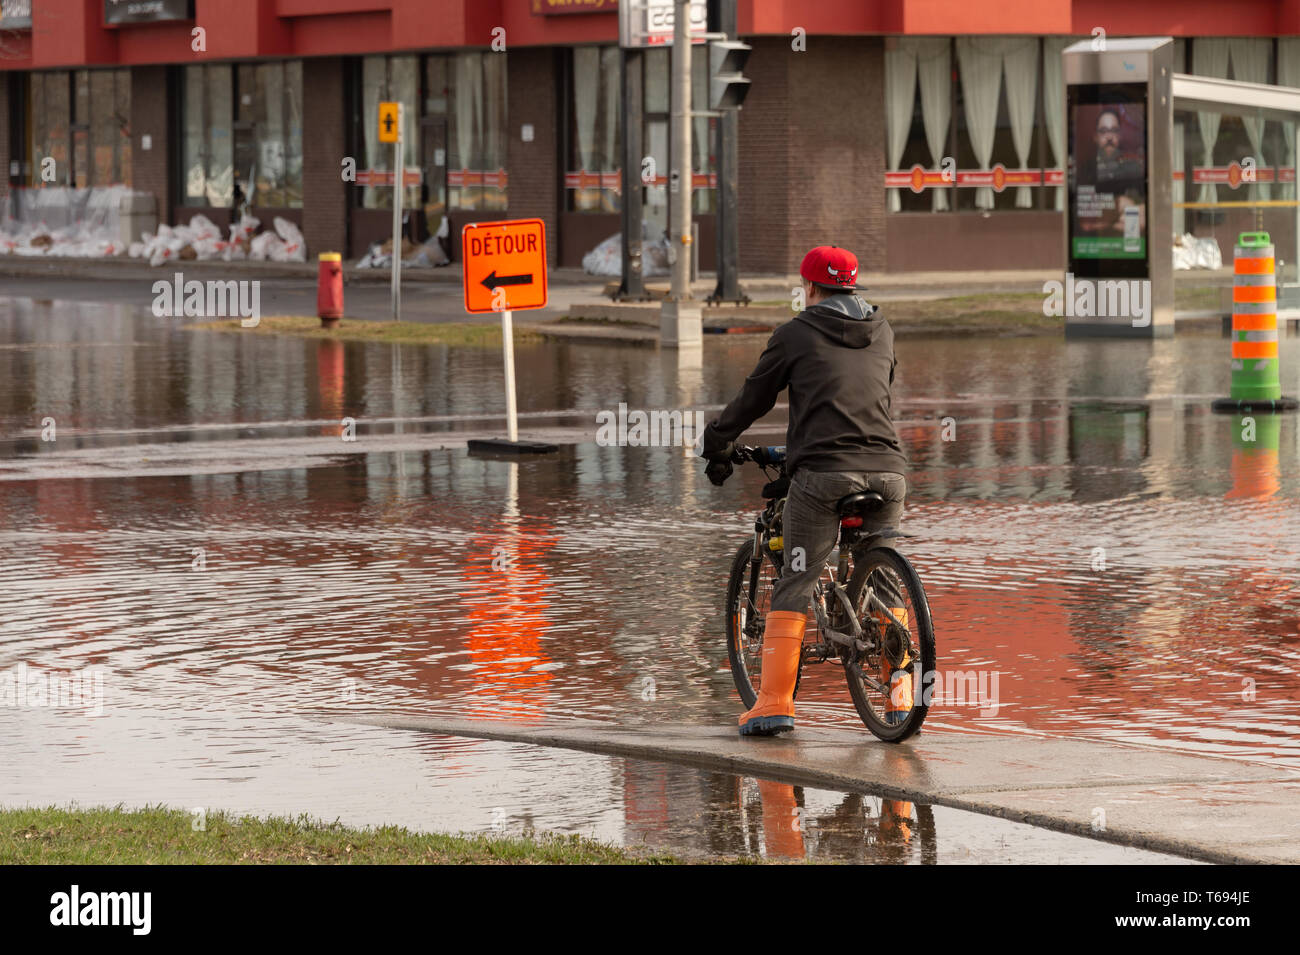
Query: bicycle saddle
(863, 502)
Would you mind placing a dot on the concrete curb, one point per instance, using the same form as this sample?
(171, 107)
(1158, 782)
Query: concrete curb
(1216, 810)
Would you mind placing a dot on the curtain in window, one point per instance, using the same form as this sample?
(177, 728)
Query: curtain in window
(1209, 58)
(611, 85)
(900, 100)
(1054, 105)
(1180, 182)
(468, 92)
(1020, 62)
(586, 87)
(1288, 74)
(934, 68)
(980, 62)
(293, 133)
(374, 80)
(1250, 65)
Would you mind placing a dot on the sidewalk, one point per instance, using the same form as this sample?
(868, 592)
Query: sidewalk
(1216, 810)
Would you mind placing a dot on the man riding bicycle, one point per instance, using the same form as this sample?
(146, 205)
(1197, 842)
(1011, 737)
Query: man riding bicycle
(837, 359)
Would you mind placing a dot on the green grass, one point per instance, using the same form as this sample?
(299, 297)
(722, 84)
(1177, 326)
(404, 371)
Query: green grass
(1019, 310)
(158, 836)
(356, 330)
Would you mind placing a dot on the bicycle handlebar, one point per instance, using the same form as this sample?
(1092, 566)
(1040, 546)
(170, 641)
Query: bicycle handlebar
(763, 456)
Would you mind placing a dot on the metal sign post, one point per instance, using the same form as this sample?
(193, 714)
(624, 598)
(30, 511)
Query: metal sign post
(399, 179)
(508, 346)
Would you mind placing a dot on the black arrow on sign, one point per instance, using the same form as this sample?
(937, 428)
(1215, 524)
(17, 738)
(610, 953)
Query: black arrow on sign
(495, 281)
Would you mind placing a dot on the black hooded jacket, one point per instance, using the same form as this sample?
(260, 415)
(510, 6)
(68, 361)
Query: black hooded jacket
(837, 358)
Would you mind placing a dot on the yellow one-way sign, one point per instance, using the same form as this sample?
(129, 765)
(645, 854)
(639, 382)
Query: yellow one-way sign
(390, 122)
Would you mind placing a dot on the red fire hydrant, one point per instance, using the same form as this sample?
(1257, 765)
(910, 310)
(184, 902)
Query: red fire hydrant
(329, 289)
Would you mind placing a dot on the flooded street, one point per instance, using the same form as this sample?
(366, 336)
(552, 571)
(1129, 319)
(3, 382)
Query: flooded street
(1107, 557)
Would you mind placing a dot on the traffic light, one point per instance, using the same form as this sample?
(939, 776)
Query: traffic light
(727, 86)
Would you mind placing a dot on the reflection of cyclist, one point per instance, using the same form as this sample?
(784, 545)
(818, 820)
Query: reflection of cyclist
(837, 358)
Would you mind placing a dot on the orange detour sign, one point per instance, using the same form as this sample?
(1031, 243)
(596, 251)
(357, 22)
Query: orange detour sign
(505, 265)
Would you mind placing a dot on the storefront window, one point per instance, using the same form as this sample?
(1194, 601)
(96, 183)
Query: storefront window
(243, 124)
(593, 171)
(389, 79)
(208, 149)
(268, 134)
(80, 120)
(592, 177)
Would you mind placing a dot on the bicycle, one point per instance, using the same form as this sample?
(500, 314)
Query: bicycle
(874, 639)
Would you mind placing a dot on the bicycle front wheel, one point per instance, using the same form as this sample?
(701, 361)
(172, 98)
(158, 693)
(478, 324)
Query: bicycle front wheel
(749, 598)
(890, 604)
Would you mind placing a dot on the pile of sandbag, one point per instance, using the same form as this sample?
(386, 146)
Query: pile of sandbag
(607, 257)
(429, 254)
(74, 241)
(62, 221)
(1193, 253)
(202, 240)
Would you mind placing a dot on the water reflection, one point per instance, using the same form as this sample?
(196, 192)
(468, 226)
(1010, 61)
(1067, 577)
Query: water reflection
(1124, 560)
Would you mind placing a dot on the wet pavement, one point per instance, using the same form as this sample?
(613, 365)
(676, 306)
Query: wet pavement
(1111, 560)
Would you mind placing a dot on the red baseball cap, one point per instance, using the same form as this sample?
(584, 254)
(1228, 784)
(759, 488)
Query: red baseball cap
(831, 266)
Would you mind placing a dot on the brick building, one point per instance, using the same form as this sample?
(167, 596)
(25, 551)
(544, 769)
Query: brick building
(513, 111)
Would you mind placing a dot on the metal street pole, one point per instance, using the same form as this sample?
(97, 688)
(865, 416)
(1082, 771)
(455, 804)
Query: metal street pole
(632, 288)
(680, 178)
(398, 181)
(728, 287)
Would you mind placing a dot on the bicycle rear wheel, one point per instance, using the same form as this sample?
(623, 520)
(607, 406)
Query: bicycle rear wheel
(746, 614)
(883, 584)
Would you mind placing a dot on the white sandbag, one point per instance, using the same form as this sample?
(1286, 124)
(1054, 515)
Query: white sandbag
(374, 258)
(265, 246)
(203, 228)
(295, 249)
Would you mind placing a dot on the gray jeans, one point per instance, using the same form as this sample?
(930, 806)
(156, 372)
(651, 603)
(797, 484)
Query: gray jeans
(810, 522)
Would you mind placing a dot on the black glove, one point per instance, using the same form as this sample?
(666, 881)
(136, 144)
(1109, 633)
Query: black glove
(718, 472)
(724, 453)
(713, 448)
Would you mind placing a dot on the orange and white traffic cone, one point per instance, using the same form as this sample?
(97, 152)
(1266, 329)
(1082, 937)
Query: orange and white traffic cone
(898, 679)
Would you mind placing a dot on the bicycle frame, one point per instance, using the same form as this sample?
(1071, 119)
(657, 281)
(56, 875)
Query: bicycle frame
(851, 541)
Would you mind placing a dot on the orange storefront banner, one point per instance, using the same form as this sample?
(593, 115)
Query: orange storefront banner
(918, 178)
(582, 179)
(545, 8)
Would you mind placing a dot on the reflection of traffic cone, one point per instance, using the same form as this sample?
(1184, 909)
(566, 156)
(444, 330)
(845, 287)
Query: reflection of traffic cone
(773, 711)
(782, 835)
(897, 678)
(1256, 468)
(896, 818)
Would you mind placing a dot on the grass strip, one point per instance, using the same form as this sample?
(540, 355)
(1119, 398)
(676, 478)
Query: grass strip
(161, 836)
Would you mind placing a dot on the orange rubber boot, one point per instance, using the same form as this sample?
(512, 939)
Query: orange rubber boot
(773, 711)
(897, 679)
